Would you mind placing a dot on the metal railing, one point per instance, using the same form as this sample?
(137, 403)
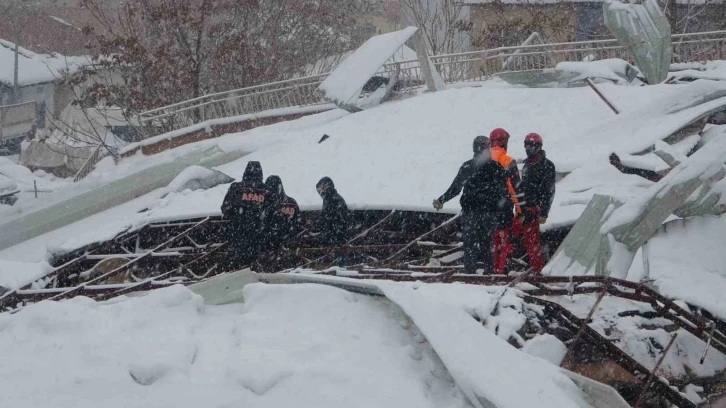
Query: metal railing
(89, 165)
(98, 154)
(238, 102)
(454, 68)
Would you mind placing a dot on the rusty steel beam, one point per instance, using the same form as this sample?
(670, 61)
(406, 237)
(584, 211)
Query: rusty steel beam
(74, 291)
(400, 253)
(97, 292)
(374, 227)
(585, 321)
(651, 377)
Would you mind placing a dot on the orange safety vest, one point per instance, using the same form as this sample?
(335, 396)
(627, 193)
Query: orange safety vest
(500, 156)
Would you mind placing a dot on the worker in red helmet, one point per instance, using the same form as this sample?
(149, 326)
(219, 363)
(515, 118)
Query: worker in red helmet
(537, 190)
(502, 245)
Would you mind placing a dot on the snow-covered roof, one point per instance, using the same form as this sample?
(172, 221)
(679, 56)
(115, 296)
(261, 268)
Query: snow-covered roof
(35, 68)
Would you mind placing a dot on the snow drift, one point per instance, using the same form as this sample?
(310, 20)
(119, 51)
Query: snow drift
(289, 345)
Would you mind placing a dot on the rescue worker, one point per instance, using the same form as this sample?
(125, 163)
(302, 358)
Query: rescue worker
(502, 237)
(333, 223)
(247, 205)
(284, 220)
(537, 192)
(485, 204)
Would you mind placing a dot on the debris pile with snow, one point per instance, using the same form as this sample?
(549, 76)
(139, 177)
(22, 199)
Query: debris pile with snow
(616, 70)
(710, 70)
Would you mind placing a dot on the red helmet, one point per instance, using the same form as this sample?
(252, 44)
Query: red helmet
(499, 137)
(533, 138)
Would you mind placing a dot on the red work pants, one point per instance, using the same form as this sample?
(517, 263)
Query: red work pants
(502, 245)
(531, 238)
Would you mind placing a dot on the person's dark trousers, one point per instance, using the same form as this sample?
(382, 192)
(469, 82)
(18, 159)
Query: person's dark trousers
(478, 230)
(245, 247)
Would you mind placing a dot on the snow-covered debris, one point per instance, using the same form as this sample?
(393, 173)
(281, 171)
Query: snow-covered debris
(700, 166)
(615, 70)
(636, 130)
(642, 335)
(408, 152)
(546, 347)
(7, 184)
(488, 369)
(324, 65)
(345, 83)
(711, 70)
(198, 178)
(13, 275)
(276, 350)
(692, 391)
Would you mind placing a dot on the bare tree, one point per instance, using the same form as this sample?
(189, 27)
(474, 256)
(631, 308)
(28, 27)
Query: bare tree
(444, 24)
(688, 16)
(510, 26)
(166, 51)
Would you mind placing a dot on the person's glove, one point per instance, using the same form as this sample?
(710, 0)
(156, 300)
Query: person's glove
(542, 220)
(438, 205)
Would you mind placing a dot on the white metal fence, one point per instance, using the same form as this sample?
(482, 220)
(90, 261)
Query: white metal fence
(454, 68)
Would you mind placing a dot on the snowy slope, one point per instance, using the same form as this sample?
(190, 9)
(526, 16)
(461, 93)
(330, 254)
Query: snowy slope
(288, 346)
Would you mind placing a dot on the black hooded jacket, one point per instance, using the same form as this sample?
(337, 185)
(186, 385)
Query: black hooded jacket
(248, 203)
(538, 184)
(284, 220)
(484, 182)
(333, 224)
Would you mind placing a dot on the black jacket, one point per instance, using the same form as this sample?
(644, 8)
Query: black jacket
(248, 203)
(284, 220)
(484, 182)
(334, 218)
(537, 188)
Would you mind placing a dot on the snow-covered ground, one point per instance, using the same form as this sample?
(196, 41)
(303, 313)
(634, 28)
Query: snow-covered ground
(299, 345)
(302, 345)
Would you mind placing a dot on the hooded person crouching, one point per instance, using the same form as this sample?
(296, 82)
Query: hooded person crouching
(284, 220)
(247, 206)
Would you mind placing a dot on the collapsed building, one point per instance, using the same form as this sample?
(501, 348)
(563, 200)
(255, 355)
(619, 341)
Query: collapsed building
(618, 337)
